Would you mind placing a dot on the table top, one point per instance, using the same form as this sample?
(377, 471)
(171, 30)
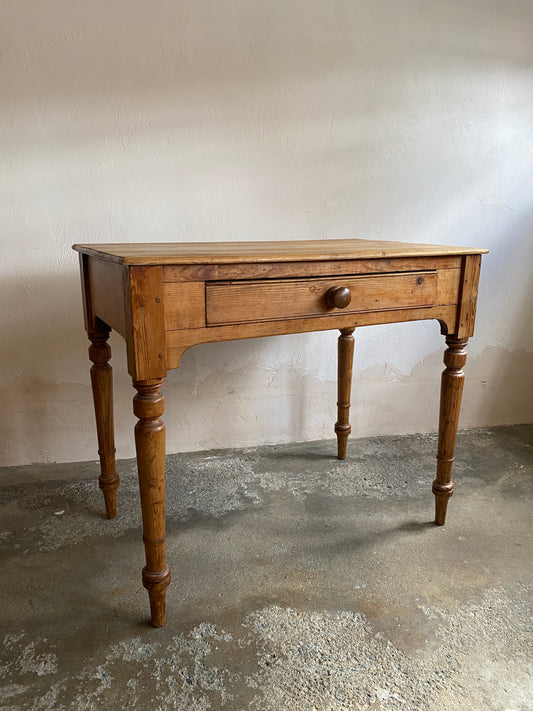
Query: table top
(253, 252)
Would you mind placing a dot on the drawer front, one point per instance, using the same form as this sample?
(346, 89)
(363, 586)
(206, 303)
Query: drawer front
(272, 300)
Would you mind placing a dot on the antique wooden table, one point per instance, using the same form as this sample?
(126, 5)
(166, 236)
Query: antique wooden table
(165, 298)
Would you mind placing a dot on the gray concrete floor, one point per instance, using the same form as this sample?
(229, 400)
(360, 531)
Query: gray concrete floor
(299, 582)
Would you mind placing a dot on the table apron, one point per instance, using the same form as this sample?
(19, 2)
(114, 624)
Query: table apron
(178, 341)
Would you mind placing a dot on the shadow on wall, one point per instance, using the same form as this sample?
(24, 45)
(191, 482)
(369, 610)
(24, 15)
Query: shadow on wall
(46, 394)
(500, 375)
(43, 353)
(41, 325)
(500, 378)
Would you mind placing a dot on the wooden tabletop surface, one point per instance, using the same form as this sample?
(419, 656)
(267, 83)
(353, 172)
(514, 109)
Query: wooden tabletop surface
(252, 252)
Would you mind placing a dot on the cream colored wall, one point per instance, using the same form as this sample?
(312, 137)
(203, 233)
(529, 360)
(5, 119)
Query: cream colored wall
(208, 120)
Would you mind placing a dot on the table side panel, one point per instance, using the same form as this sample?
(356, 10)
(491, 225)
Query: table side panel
(130, 301)
(85, 292)
(106, 289)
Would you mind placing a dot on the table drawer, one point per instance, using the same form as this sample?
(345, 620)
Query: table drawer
(230, 302)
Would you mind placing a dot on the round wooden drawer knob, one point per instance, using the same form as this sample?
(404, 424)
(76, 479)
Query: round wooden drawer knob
(338, 297)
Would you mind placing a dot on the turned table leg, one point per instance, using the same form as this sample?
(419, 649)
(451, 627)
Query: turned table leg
(148, 406)
(450, 405)
(102, 386)
(344, 385)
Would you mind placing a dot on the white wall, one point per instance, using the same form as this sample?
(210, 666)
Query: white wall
(205, 120)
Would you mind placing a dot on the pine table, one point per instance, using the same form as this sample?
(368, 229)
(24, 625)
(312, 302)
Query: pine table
(165, 298)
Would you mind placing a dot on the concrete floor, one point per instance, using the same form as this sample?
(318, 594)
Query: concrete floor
(299, 582)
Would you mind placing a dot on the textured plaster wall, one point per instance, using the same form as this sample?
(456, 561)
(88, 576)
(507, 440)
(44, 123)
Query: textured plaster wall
(208, 120)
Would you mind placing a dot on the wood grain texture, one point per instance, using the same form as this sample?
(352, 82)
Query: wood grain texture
(185, 301)
(344, 389)
(145, 322)
(468, 299)
(280, 270)
(243, 301)
(102, 387)
(450, 406)
(254, 252)
(448, 286)
(184, 305)
(148, 406)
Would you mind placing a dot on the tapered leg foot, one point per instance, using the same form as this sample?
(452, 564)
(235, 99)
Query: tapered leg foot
(148, 406)
(344, 386)
(110, 498)
(102, 386)
(450, 406)
(441, 504)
